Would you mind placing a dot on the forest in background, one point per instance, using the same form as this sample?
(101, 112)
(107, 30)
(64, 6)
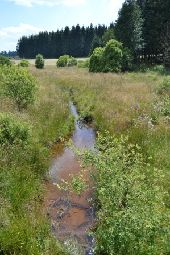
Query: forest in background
(135, 19)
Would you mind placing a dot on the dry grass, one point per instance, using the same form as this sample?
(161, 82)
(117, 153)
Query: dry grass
(120, 103)
(48, 62)
(114, 100)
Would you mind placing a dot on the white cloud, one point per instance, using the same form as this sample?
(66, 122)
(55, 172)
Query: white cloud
(30, 3)
(113, 6)
(10, 35)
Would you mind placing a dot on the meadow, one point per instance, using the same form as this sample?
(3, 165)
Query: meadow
(127, 104)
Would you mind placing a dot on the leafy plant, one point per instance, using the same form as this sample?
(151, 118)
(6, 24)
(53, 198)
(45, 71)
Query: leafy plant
(164, 87)
(5, 61)
(96, 60)
(112, 56)
(76, 184)
(83, 63)
(72, 61)
(19, 85)
(62, 61)
(24, 63)
(132, 217)
(39, 62)
(13, 130)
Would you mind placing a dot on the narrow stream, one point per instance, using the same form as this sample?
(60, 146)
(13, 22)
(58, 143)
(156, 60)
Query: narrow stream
(71, 216)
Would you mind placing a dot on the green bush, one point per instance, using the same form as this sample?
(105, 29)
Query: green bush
(96, 60)
(83, 63)
(62, 61)
(72, 61)
(19, 85)
(5, 61)
(112, 56)
(24, 63)
(132, 217)
(164, 87)
(12, 130)
(39, 62)
(159, 68)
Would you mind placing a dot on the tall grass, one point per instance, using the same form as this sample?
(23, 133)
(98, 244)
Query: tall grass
(25, 228)
(126, 104)
(121, 103)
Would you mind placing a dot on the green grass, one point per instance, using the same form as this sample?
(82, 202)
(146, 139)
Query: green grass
(25, 228)
(120, 103)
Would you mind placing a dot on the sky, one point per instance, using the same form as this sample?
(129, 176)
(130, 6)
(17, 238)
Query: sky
(25, 17)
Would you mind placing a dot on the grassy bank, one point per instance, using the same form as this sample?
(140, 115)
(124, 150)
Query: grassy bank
(25, 228)
(123, 104)
(131, 105)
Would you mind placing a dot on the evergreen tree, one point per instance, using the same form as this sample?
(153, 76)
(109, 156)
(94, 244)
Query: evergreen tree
(76, 41)
(128, 28)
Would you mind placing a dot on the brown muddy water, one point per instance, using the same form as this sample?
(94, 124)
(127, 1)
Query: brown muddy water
(72, 216)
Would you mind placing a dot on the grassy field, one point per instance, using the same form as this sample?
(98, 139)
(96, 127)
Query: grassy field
(48, 62)
(119, 103)
(123, 104)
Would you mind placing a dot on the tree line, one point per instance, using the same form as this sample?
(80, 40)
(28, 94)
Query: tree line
(11, 54)
(76, 42)
(143, 26)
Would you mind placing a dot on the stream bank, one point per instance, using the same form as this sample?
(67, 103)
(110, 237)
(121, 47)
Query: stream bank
(71, 216)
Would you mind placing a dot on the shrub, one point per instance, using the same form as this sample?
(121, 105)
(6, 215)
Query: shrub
(164, 87)
(108, 59)
(62, 61)
(112, 56)
(83, 63)
(159, 68)
(39, 62)
(5, 61)
(96, 60)
(72, 61)
(12, 130)
(24, 63)
(19, 85)
(132, 217)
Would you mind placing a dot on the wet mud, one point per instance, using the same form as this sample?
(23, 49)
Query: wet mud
(72, 216)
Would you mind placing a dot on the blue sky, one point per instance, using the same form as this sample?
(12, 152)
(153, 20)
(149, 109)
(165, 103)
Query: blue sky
(24, 17)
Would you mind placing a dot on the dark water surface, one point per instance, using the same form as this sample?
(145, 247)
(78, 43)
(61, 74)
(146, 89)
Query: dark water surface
(71, 216)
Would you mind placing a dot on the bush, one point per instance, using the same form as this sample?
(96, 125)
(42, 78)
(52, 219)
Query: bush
(83, 63)
(164, 87)
(39, 62)
(112, 56)
(5, 61)
(132, 217)
(62, 61)
(24, 63)
(96, 60)
(159, 68)
(12, 130)
(19, 85)
(109, 59)
(72, 61)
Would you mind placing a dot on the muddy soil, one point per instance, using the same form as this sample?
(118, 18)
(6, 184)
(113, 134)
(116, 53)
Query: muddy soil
(72, 216)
